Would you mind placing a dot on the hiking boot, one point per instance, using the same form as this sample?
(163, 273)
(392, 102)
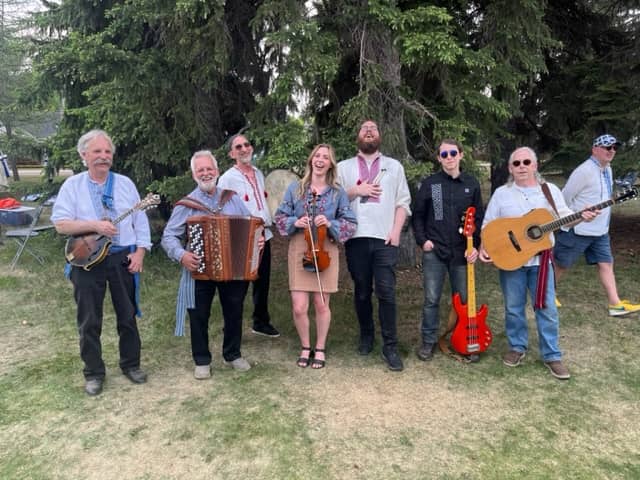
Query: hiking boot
(624, 307)
(558, 370)
(267, 330)
(513, 358)
(202, 372)
(239, 364)
(425, 352)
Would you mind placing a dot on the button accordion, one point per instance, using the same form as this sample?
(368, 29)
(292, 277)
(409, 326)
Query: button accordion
(227, 246)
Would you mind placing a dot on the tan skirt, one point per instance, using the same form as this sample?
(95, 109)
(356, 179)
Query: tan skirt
(303, 281)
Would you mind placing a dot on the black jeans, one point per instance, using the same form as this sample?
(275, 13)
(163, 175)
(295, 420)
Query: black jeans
(89, 290)
(370, 263)
(261, 288)
(231, 299)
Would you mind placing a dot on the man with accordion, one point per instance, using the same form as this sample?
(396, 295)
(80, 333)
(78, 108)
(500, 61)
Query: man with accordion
(197, 257)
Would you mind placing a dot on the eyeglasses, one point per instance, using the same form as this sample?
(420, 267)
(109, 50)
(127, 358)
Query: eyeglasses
(526, 162)
(445, 154)
(611, 147)
(369, 128)
(240, 145)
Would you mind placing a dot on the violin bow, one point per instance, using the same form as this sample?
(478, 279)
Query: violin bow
(313, 247)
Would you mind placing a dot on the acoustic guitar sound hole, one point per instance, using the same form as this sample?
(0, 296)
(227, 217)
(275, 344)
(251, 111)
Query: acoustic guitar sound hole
(534, 233)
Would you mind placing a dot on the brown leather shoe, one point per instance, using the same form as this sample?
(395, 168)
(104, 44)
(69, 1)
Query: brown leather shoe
(558, 370)
(513, 358)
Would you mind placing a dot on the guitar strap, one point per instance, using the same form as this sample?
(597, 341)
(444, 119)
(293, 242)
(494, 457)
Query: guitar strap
(196, 204)
(545, 258)
(442, 341)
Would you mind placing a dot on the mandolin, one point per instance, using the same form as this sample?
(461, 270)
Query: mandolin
(90, 249)
(471, 333)
(512, 241)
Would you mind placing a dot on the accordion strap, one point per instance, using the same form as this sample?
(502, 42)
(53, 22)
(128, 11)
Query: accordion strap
(196, 204)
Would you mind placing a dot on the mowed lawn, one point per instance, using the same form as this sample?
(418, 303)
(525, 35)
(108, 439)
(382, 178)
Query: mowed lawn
(353, 419)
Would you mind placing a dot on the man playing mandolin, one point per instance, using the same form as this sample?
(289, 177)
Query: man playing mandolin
(87, 204)
(525, 191)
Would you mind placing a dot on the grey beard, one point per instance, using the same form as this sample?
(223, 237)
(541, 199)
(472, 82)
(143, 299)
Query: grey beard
(207, 186)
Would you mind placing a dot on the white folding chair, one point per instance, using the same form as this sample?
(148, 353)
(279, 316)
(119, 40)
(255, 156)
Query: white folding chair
(22, 235)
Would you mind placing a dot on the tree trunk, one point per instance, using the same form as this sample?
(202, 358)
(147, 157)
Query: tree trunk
(378, 49)
(13, 165)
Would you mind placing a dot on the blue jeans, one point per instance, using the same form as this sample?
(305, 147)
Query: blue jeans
(433, 273)
(514, 288)
(371, 262)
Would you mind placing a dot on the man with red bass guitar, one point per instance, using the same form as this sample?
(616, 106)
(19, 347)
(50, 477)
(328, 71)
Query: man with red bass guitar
(440, 206)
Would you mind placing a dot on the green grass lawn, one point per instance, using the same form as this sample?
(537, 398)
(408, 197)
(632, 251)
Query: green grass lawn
(353, 419)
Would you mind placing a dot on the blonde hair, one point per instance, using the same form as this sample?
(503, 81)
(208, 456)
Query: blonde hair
(332, 177)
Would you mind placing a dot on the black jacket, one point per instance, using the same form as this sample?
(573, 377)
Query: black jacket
(439, 211)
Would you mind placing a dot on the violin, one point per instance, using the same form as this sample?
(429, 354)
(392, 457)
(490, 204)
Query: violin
(315, 258)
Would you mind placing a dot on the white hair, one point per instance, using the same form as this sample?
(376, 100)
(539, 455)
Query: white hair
(534, 157)
(85, 139)
(202, 153)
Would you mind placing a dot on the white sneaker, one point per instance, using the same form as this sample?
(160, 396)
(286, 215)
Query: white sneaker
(239, 364)
(202, 372)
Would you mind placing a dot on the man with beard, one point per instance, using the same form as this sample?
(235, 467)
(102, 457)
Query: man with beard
(89, 202)
(379, 195)
(196, 296)
(248, 182)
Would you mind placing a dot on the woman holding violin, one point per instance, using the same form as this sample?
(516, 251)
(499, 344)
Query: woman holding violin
(314, 214)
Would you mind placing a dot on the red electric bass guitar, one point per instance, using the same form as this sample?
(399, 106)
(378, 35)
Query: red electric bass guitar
(471, 333)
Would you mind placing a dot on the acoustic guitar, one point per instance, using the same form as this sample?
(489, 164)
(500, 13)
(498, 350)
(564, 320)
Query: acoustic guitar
(471, 333)
(90, 249)
(512, 241)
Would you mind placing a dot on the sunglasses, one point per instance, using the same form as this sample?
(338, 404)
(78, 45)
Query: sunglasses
(526, 162)
(240, 145)
(445, 154)
(611, 147)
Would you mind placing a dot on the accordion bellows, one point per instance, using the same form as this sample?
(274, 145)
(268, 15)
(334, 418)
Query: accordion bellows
(227, 246)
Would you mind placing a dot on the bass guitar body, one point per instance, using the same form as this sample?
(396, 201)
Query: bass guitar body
(86, 250)
(471, 334)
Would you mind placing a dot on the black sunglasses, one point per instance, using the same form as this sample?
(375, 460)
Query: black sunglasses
(526, 162)
(611, 147)
(240, 145)
(445, 154)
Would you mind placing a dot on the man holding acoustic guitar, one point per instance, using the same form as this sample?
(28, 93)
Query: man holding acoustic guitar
(90, 206)
(526, 193)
